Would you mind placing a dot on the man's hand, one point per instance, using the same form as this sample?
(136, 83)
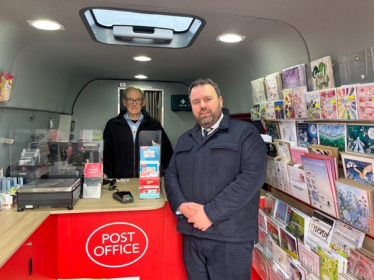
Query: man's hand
(200, 220)
(187, 212)
(105, 176)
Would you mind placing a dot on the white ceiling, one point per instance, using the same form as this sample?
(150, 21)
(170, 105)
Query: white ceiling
(55, 66)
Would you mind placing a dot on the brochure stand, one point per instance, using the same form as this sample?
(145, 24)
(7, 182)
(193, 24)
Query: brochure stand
(150, 157)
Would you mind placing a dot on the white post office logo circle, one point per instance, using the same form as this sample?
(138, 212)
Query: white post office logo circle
(122, 244)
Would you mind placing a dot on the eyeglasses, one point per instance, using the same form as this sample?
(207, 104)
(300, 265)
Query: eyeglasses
(137, 101)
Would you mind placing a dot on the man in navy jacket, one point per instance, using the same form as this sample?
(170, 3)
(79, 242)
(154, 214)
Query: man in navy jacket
(213, 186)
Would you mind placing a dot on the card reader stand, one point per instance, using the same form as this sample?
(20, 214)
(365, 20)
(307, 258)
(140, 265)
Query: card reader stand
(123, 197)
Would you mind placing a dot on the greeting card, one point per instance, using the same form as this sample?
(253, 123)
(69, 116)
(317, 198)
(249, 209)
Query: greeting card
(279, 109)
(270, 111)
(289, 111)
(258, 90)
(313, 104)
(294, 76)
(272, 129)
(273, 86)
(360, 138)
(307, 134)
(332, 134)
(358, 168)
(6, 85)
(322, 73)
(288, 130)
(309, 259)
(329, 104)
(355, 201)
(365, 99)
(347, 105)
(299, 101)
(297, 182)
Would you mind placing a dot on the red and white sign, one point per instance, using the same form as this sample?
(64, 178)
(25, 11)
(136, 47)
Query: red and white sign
(93, 170)
(117, 244)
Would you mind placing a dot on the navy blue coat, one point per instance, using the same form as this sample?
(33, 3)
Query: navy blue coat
(225, 173)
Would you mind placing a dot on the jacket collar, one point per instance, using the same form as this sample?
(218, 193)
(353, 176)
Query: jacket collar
(121, 119)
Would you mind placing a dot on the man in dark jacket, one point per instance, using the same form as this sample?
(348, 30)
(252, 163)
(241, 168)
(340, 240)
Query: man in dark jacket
(121, 137)
(213, 186)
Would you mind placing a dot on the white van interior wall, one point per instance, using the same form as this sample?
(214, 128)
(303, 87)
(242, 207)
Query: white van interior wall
(98, 103)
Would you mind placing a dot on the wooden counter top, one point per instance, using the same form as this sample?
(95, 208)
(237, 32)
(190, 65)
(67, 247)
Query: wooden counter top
(16, 227)
(107, 204)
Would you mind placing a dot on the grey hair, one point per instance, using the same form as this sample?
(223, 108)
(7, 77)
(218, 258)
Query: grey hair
(201, 82)
(133, 87)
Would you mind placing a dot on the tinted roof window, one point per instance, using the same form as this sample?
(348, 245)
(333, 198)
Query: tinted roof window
(109, 18)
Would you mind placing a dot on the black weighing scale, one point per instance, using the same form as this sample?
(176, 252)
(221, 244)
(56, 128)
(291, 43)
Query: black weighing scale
(49, 193)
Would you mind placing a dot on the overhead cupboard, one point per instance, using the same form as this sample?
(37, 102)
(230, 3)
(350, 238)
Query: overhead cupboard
(317, 221)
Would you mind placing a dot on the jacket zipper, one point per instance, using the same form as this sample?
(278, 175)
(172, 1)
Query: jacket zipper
(134, 144)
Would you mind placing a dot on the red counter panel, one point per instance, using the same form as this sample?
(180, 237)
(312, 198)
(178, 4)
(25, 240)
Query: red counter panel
(111, 244)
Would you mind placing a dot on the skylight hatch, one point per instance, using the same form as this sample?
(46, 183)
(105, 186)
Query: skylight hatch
(122, 27)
